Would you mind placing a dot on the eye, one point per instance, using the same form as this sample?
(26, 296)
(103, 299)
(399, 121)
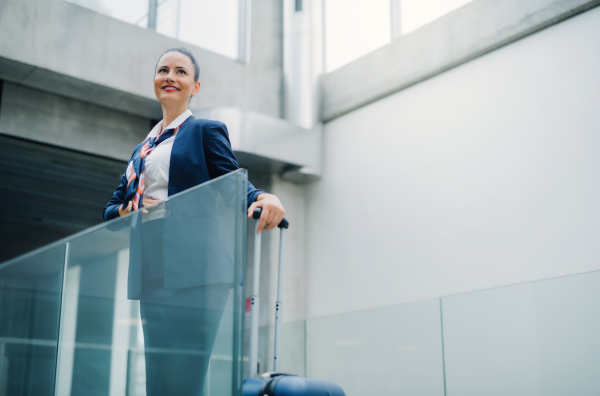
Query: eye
(182, 71)
(162, 70)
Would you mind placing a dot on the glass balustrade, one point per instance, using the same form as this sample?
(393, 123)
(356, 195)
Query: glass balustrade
(150, 301)
(30, 300)
(393, 350)
(293, 348)
(536, 338)
(142, 300)
(533, 339)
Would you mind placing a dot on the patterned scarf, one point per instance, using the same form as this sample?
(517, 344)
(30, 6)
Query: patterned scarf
(135, 184)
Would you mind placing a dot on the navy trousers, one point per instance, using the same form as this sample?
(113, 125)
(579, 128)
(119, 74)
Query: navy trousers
(180, 325)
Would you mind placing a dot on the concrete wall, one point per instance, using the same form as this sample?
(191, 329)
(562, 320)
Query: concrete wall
(293, 197)
(60, 121)
(464, 34)
(482, 176)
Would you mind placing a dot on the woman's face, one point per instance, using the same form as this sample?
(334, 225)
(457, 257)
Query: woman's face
(174, 79)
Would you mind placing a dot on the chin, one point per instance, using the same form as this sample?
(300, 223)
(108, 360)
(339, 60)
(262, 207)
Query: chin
(170, 98)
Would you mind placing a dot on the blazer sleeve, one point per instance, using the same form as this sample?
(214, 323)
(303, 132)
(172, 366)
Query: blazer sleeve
(111, 210)
(220, 158)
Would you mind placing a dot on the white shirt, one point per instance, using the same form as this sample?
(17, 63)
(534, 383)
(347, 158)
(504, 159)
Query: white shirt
(159, 160)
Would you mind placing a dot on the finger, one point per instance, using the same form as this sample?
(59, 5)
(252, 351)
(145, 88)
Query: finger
(150, 203)
(278, 215)
(263, 219)
(129, 206)
(271, 220)
(252, 208)
(279, 218)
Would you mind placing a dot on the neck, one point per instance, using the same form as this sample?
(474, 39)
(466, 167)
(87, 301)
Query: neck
(171, 113)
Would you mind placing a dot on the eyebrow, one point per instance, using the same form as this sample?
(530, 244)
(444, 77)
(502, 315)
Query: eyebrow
(177, 67)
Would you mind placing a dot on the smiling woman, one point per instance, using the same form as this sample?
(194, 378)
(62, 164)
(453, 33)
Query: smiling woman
(176, 59)
(180, 152)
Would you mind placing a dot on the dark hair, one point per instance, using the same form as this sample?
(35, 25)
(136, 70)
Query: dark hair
(189, 55)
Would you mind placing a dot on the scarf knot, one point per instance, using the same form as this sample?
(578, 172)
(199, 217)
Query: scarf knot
(136, 169)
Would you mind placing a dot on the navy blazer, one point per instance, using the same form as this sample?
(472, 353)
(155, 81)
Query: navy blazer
(193, 250)
(201, 152)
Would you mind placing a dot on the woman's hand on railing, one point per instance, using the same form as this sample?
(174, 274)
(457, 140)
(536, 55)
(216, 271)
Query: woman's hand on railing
(149, 202)
(127, 210)
(272, 211)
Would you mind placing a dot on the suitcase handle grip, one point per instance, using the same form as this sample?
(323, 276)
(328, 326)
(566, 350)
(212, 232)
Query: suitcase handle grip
(283, 224)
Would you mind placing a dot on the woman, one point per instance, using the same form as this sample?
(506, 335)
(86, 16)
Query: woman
(181, 307)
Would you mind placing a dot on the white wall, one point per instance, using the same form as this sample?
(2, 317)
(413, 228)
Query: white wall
(293, 198)
(485, 175)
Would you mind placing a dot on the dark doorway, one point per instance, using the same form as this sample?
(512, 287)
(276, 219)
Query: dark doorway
(48, 193)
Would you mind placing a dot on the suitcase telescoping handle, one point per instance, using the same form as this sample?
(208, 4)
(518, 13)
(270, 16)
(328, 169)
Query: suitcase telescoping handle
(255, 300)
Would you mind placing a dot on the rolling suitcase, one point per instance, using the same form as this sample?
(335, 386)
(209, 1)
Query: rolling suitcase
(276, 383)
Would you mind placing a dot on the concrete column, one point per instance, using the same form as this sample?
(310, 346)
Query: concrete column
(244, 30)
(303, 60)
(152, 14)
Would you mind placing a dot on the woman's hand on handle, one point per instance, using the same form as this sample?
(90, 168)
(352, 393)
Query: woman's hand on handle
(272, 211)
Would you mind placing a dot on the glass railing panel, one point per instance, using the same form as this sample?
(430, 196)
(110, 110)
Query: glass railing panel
(153, 301)
(392, 350)
(30, 297)
(537, 338)
(293, 348)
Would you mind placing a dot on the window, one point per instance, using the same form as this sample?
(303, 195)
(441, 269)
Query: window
(205, 23)
(354, 28)
(417, 13)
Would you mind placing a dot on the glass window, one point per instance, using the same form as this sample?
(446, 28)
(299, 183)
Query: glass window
(417, 13)
(130, 11)
(354, 28)
(208, 24)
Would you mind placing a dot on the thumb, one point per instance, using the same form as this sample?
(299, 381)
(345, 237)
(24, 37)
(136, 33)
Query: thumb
(129, 206)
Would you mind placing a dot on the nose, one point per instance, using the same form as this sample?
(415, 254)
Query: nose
(169, 77)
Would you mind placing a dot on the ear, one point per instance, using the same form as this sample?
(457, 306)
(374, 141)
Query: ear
(196, 88)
